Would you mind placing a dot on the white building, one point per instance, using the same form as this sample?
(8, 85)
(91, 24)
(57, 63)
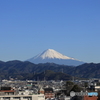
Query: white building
(97, 88)
(22, 97)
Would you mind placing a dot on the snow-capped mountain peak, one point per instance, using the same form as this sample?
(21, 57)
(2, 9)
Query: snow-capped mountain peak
(52, 54)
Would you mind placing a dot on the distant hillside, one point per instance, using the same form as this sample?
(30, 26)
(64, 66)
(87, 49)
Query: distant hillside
(28, 70)
(87, 70)
(51, 75)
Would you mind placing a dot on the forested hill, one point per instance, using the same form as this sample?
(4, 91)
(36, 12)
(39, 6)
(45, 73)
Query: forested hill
(87, 70)
(26, 70)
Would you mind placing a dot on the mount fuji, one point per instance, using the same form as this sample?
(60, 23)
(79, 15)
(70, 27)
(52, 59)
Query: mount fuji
(52, 56)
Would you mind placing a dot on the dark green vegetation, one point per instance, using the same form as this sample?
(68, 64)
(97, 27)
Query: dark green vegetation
(27, 70)
(87, 70)
(70, 86)
(49, 71)
(51, 75)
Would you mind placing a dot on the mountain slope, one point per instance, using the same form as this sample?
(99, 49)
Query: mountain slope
(26, 70)
(53, 56)
(51, 75)
(87, 70)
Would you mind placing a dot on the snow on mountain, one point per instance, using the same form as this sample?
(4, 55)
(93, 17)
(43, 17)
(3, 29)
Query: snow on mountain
(50, 53)
(53, 56)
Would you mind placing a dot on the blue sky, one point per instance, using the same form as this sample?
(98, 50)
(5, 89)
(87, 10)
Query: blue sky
(71, 27)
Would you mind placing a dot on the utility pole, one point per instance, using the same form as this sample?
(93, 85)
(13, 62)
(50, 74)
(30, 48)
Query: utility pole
(73, 78)
(44, 75)
(62, 70)
(34, 72)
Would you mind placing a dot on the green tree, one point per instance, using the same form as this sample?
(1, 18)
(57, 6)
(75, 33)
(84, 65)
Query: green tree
(70, 86)
(69, 83)
(76, 88)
